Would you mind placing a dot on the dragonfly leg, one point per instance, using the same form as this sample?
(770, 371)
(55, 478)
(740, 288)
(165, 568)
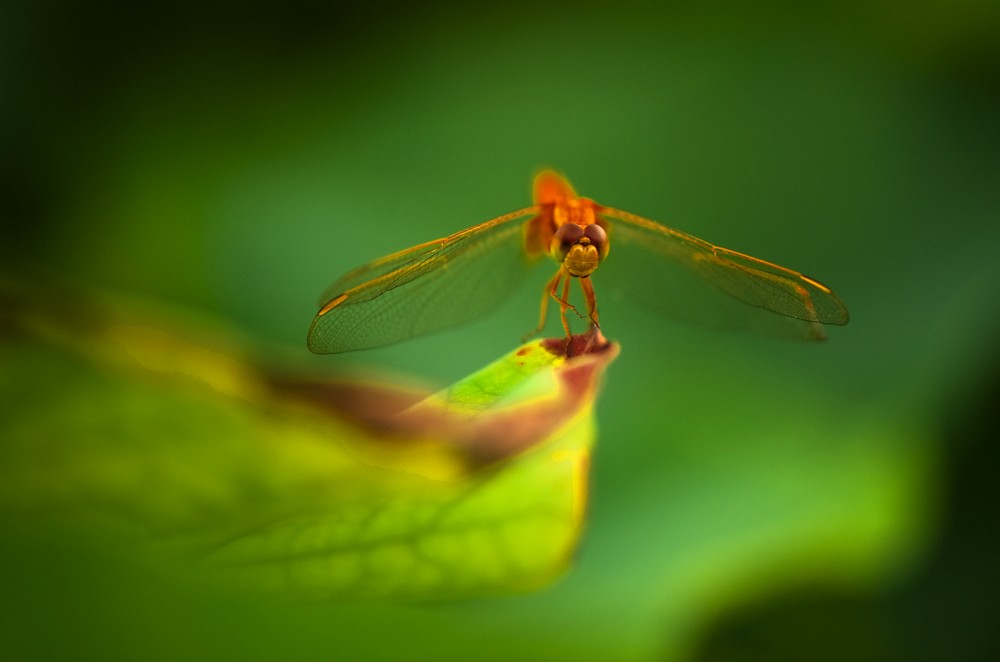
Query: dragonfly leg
(563, 300)
(591, 298)
(564, 303)
(550, 291)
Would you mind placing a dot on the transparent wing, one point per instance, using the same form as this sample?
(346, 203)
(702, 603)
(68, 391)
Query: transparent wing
(424, 288)
(691, 279)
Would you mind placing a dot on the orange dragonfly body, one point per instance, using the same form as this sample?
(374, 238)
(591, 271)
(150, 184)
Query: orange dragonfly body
(459, 278)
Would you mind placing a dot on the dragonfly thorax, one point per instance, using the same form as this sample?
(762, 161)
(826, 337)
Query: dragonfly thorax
(575, 211)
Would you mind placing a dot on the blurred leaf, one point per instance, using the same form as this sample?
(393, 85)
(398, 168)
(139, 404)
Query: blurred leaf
(199, 459)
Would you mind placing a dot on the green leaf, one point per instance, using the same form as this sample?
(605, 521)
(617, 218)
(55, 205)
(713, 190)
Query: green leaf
(195, 459)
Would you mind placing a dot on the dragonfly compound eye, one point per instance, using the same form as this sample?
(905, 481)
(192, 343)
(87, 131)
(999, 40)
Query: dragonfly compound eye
(598, 239)
(565, 237)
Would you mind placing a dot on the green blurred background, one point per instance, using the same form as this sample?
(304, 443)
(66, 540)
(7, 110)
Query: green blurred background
(752, 499)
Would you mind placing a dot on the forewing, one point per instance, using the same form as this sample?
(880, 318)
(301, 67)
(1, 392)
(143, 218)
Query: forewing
(691, 279)
(424, 288)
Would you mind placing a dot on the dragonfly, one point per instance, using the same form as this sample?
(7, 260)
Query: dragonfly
(464, 276)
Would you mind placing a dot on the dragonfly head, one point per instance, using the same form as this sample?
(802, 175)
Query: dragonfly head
(580, 248)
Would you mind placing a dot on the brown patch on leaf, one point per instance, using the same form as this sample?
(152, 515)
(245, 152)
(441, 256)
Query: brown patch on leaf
(504, 431)
(590, 342)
